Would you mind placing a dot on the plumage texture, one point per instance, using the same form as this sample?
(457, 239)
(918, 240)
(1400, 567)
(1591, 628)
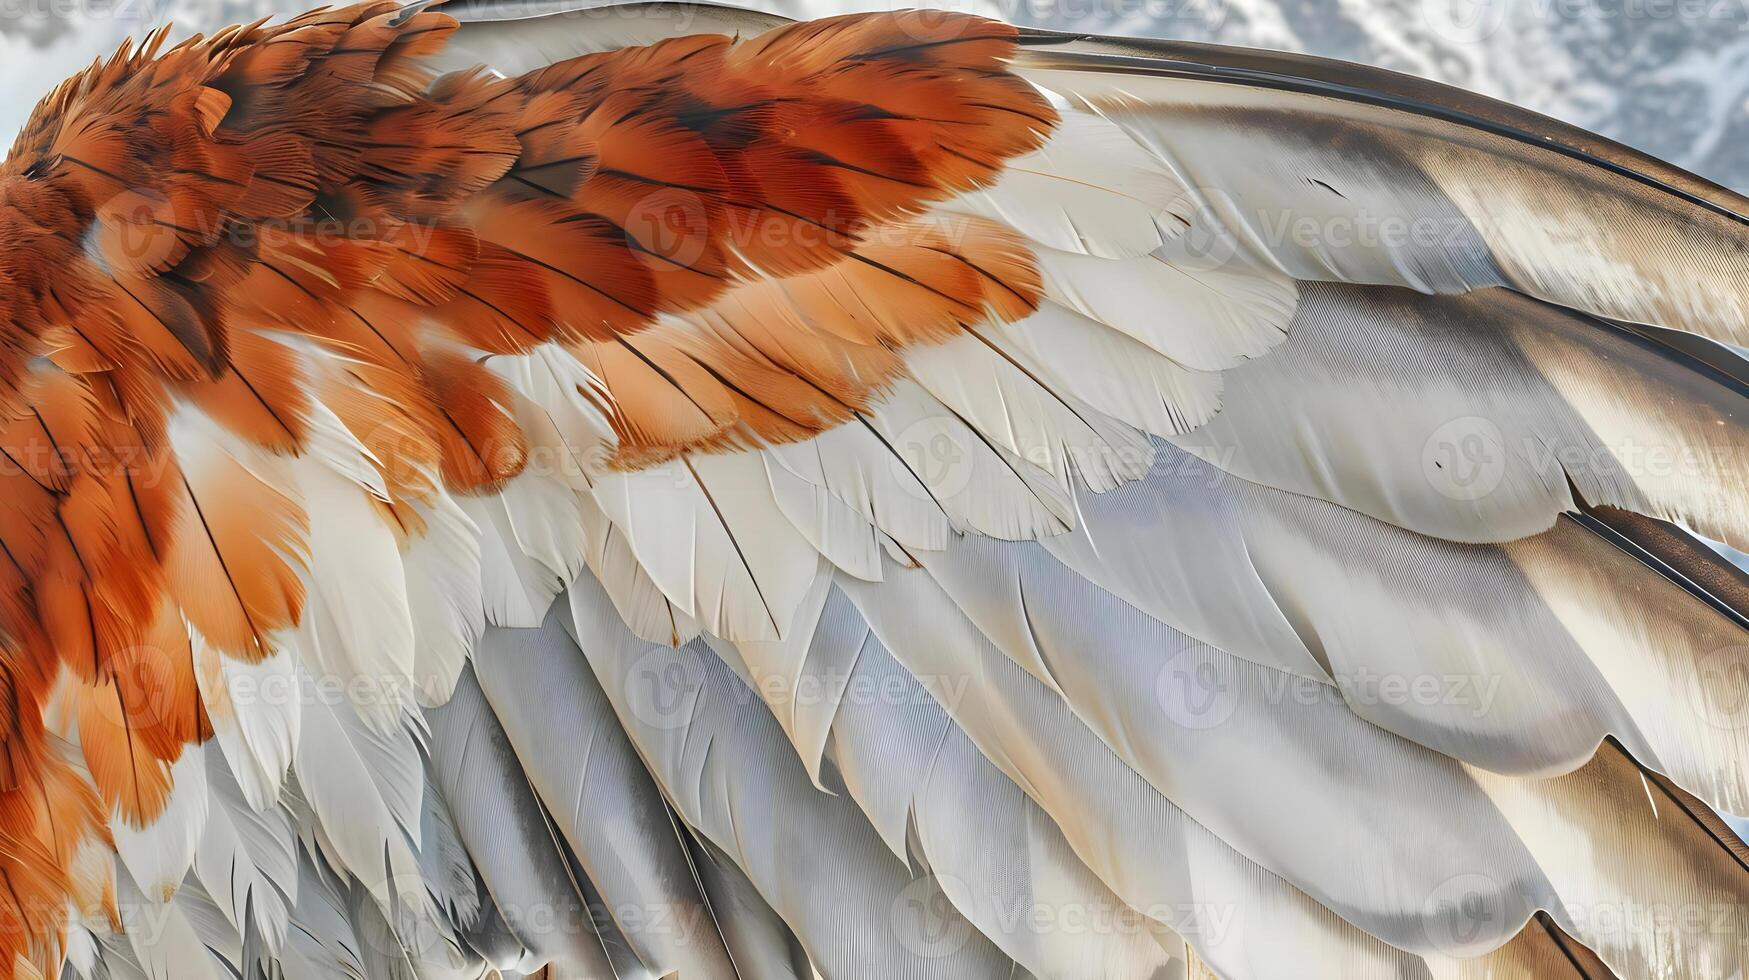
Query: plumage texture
(626, 496)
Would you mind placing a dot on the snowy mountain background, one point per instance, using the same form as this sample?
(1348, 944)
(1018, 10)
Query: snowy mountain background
(1668, 76)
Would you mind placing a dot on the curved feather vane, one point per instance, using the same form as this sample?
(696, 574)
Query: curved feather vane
(522, 489)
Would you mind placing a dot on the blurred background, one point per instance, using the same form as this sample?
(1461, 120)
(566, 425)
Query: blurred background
(1668, 76)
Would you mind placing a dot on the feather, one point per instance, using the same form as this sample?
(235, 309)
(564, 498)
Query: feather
(510, 838)
(710, 536)
(365, 815)
(1481, 415)
(1091, 189)
(247, 860)
(358, 629)
(875, 479)
(167, 948)
(242, 524)
(1341, 189)
(210, 924)
(730, 776)
(256, 716)
(1077, 398)
(1220, 315)
(516, 588)
(521, 37)
(756, 936)
(602, 801)
(1110, 371)
(1538, 649)
(444, 859)
(1047, 606)
(999, 858)
(325, 945)
(445, 598)
(838, 533)
(978, 484)
(648, 612)
(1186, 878)
(157, 856)
(569, 437)
(1050, 430)
(799, 678)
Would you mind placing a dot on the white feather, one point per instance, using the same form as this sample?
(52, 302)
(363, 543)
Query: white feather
(1242, 920)
(163, 940)
(927, 449)
(445, 597)
(1110, 370)
(731, 775)
(159, 855)
(1051, 430)
(246, 860)
(643, 607)
(364, 830)
(357, 627)
(872, 479)
(1206, 319)
(1089, 189)
(845, 537)
(711, 537)
(256, 715)
(559, 412)
(517, 589)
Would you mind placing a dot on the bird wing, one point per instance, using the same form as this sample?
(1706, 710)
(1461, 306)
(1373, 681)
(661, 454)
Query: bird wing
(664, 490)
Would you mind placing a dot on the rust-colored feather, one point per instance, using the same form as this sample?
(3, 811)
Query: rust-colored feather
(220, 251)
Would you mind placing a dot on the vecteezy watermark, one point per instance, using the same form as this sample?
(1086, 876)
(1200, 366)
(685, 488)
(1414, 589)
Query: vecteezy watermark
(1197, 691)
(1465, 459)
(933, 916)
(1194, 692)
(1468, 458)
(934, 458)
(1718, 687)
(1465, 915)
(48, 462)
(1219, 230)
(677, 923)
(938, 457)
(359, 691)
(925, 921)
(661, 690)
(1631, 918)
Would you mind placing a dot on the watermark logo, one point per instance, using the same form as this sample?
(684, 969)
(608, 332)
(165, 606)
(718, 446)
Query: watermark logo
(670, 229)
(1204, 242)
(925, 921)
(660, 691)
(1194, 692)
(1465, 21)
(1718, 688)
(934, 459)
(1465, 914)
(1465, 459)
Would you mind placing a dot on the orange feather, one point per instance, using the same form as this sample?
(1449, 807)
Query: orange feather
(238, 228)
